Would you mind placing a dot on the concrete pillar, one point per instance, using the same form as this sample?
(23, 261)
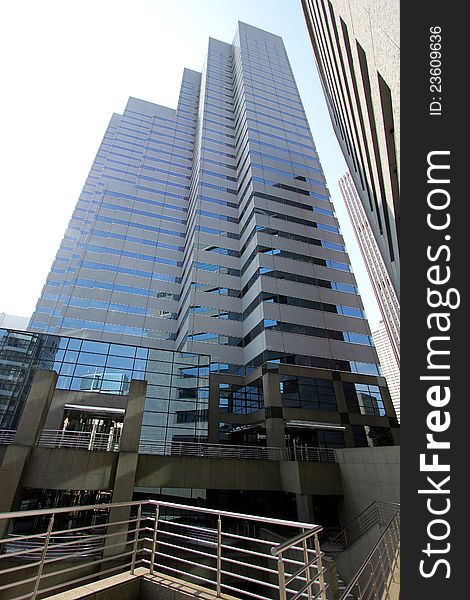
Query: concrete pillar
(275, 434)
(305, 512)
(213, 416)
(16, 455)
(124, 480)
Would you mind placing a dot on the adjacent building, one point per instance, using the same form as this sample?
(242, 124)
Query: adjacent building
(388, 362)
(384, 292)
(202, 304)
(356, 45)
(13, 321)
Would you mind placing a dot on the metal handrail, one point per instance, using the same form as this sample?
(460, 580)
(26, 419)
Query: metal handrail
(377, 512)
(86, 440)
(7, 436)
(238, 564)
(209, 450)
(311, 454)
(381, 564)
(309, 578)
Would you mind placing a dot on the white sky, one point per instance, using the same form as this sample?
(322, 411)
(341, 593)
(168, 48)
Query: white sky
(68, 65)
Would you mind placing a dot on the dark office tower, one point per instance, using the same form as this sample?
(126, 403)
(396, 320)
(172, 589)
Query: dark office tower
(357, 50)
(209, 228)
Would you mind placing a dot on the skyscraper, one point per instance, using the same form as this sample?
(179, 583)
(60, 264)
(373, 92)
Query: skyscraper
(388, 362)
(383, 289)
(209, 228)
(357, 50)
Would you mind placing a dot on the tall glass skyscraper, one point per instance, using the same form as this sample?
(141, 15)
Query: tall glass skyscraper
(209, 228)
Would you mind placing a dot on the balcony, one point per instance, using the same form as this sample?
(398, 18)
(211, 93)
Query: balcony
(228, 554)
(158, 549)
(86, 440)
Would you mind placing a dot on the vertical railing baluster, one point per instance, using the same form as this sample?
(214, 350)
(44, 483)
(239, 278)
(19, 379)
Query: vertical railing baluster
(219, 557)
(282, 578)
(43, 557)
(308, 572)
(154, 540)
(136, 538)
(372, 578)
(321, 578)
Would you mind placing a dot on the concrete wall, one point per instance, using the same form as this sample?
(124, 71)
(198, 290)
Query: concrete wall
(368, 474)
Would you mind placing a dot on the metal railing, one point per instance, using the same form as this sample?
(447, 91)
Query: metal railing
(311, 454)
(377, 513)
(52, 438)
(309, 577)
(378, 576)
(86, 440)
(7, 436)
(228, 553)
(206, 450)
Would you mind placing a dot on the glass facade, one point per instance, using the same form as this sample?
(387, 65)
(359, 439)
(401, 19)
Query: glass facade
(177, 400)
(209, 228)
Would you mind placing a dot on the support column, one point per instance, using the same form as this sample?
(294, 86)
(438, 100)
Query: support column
(213, 416)
(305, 512)
(17, 454)
(275, 434)
(124, 480)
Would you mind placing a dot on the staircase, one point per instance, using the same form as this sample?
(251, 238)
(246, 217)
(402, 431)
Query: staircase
(379, 515)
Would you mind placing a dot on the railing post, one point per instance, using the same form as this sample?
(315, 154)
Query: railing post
(154, 540)
(374, 583)
(136, 538)
(308, 572)
(219, 557)
(282, 578)
(43, 557)
(321, 578)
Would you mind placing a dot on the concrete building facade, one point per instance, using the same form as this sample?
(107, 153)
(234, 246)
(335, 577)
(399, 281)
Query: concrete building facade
(357, 49)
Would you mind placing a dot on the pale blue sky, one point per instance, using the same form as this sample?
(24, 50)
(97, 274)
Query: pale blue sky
(70, 65)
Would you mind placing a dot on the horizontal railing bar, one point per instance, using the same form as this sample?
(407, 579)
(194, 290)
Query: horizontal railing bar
(73, 530)
(85, 577)
(56, 559)
(174, 570)
(250, 552)
(250, 579)
(21, 553)
(15, 583)
(185, 537)
(302, 570)
(22, 537)
(162, 521)
(245, 537)
(19, 514)
(184, 560)
(151, 503)
(298, 538)
(367, 561)
(95, 562)
(77, 543)
(244, 564)
(225, 586)
(302, 591)
(185, 549)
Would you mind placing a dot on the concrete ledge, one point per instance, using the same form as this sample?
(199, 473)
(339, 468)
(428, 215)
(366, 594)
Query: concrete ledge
(140, 586)
(123, 586)
(165, 587)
